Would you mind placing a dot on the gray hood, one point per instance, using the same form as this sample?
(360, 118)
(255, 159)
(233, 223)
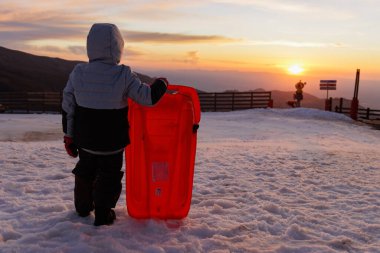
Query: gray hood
(105, 44)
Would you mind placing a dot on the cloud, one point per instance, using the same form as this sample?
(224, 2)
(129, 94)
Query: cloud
(268, 4)
(81, 50)
(328, 9)
(24, 32)
(38, 20)
(35, 14)
(132, 52)
(90, 11)
(47, 49)
(300, 44)
(14, 30)
(44, 21)
(192, 57)
(129, 52)
(163, 10)
(177, 38)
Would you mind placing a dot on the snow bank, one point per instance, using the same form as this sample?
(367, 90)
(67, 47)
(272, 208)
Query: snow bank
(308, 113)
(297, 180)
(29, 127)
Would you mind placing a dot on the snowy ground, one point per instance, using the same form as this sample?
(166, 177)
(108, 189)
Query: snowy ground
(297, 180)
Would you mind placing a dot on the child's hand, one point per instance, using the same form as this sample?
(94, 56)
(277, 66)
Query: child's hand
(158, 89)
(71, 148)
(164, 80)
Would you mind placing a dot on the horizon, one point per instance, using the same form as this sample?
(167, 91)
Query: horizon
(274, 43)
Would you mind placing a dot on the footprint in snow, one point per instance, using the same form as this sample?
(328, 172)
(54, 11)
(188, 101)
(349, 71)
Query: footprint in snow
(57, 177)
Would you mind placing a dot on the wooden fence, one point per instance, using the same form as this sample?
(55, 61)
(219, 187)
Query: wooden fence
(230, 101)
(31, 101)
(27, 102)
(363, 113)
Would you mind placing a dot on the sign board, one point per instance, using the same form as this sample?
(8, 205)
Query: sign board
(327, 85)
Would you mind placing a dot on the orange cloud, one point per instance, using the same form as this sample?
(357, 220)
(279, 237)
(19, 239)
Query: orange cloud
(157, 37)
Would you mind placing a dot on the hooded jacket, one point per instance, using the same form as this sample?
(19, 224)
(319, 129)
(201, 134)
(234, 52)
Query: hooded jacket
(96, 95)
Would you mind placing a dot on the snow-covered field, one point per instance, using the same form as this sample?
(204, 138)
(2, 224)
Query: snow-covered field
(295, 180)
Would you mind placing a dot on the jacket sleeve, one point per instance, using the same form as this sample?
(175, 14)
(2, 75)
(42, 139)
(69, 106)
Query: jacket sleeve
(143, 93)
(68, 109)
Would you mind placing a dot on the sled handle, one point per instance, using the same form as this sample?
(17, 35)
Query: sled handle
(192, 93)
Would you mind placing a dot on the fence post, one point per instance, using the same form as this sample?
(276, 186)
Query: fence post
(251, 99)
(354, 108)
(44, 103)
(368, 113)
(233, 101)
(355, 102)
(28, 103)
(215, 102)
(331, 101)
(270, 102)
(11, 99)
(60, 101)
(340, 105)
(328, 104)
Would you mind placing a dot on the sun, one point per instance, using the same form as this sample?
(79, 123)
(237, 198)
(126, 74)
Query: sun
(295, 69)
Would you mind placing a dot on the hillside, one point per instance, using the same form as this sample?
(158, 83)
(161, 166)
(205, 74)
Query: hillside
(280, 99)
(21, 71)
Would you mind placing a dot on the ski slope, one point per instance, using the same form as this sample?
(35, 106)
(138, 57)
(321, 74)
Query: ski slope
(294, 180)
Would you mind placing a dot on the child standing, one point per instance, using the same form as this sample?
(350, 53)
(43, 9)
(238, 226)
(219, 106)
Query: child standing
(95, 121)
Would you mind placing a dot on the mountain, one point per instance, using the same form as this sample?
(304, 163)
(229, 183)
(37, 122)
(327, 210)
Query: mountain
(222, 80)
(280, 99)
(20, 71)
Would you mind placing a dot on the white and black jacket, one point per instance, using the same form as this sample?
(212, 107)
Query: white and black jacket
(95, 98)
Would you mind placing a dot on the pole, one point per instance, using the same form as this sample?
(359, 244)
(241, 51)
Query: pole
(327, 102)
(355, 102)
(356, 95)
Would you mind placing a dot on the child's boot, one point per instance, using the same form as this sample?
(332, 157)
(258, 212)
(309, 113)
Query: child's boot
(104, 216)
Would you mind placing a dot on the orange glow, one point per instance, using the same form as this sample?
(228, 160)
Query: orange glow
(159, 36)
(295, 69)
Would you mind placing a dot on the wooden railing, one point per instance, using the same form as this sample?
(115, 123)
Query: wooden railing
(230, 101)
(26, 102)
(363, 113)
(31, 101)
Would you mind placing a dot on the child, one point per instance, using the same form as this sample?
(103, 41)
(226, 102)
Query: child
(95, 121)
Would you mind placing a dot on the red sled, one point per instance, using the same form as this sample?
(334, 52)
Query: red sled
(160, 159)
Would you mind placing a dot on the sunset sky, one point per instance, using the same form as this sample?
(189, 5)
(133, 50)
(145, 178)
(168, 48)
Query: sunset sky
(323, 38)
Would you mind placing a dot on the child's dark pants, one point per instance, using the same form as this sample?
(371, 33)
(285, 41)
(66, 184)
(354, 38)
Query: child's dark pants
(97, 181)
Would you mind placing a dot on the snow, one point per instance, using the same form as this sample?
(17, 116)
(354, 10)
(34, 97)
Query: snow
(29, 127)
(294, 180)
